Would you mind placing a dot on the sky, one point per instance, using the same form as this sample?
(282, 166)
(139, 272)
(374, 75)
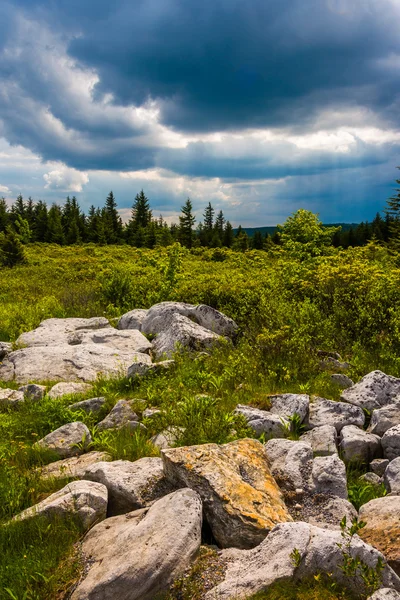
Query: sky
(260, 107)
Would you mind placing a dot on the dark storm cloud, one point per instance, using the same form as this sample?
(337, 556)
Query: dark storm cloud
(229, 64)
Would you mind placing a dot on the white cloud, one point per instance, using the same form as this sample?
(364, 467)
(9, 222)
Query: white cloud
(65, 179)
(4, 189)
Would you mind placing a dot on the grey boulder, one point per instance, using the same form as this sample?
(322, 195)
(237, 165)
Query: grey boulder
(342, 380)
(10, 397)
(68, 389)
(323, 440)
(391, 443)
(385, 594)
(290, 463)
(384, 418)
(92, 405)
(138, 556)
(357, 445)
(132, 319)
(33, 391)
(5, 348)
(121, 415)
(373, 391)
(82, 499)
(182, 333)
(288, 405)
(262, 421)
(131, 485)
(294, 551)
(378, 466)
(338, 414)
(68, 440)
(329, 476)
(74, 467)
(53, 332)
(391, 477)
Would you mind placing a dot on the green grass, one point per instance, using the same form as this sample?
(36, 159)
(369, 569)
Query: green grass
(319, 588)
(360, 492)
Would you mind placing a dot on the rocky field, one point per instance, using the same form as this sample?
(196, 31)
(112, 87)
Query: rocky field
(265, 505)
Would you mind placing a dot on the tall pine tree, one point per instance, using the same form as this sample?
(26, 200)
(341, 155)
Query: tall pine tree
(186, 224)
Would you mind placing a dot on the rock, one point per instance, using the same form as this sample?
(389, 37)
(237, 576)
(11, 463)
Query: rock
(262, 421)
(132, 319)
(167, 438)
(391, 477)
(385, 594)
(358, 445)
(68, 440)
(315, 550)
(322, 440)
(330, 363)
(329, 476)
(72, 467)
(138, 557)
(56, 332)
(288, 405)
(163, 365)
(327, 512)
(325, 353)
(338, 414)
(92, 405)
(373, 391)
(84, 499)
(391, 443)
(384, 418)
(84, 362)
(378, 466)
(126, 341)
(290, 463)
(241, 500)
(342, 380)
(131, 485)
(120, 416)
(148, 413)
(214, 320)
(160, 316)
(5, 348)
(184, 334)
(382, 528)
(139, 368)
(69, 389)
(33, 391)
(10, 397)
(371, 478)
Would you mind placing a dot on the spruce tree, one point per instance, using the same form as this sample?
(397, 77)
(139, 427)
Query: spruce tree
(55, 233)
(392, 212)
(40, 222)
(114, 223)
(186, 224)
(228, 235)
(11, 249)
(4, 215)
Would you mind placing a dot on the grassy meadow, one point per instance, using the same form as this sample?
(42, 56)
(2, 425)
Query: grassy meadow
(287, 307)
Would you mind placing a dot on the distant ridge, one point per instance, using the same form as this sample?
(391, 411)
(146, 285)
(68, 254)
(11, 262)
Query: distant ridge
(271, 230)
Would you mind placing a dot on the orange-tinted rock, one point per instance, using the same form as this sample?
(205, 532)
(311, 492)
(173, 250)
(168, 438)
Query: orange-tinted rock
(241, 499)
(382, 531)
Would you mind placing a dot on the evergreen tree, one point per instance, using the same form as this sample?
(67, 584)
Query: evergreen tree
(4, 215)
(141, 213)
(18, 208)
(113, 220)
(186, 224)
(257, 241)
(392, 212)
(40, 218)
(11, 249)
(219, 223)
(55, 233)
(228, 235)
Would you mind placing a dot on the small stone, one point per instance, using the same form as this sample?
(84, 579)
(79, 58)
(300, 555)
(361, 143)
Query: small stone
(10, 397)
(342, 380)
(288, 405)
(33, 391)
(333, 363)
(92, 405)
(263, 421)
(69, 389)
(384, 418)
(371, 478)
(121, 415)
(167, 438)
(150, 412)
(378, 466)
(68, 440)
